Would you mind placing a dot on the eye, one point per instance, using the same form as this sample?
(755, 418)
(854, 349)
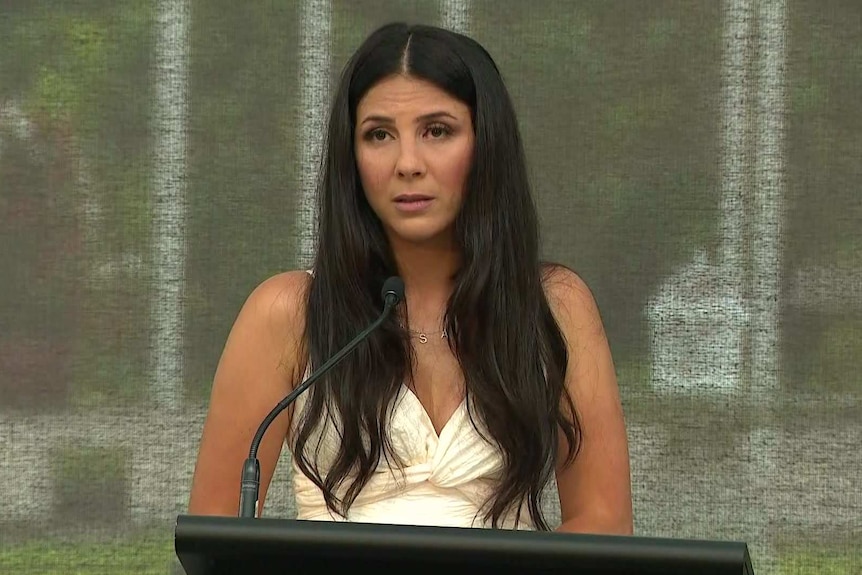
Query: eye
(438, 131)
(376, 135)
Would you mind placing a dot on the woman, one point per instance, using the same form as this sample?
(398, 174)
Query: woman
(494, 375)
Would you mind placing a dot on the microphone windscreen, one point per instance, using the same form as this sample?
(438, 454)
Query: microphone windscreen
(393, 287)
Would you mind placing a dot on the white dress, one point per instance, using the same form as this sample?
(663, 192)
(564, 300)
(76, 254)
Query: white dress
(445, 480)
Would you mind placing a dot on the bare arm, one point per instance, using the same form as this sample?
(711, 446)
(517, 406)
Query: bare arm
(595, 490)
(258, 367)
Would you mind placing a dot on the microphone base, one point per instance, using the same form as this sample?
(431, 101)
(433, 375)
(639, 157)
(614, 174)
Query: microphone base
(249, 488)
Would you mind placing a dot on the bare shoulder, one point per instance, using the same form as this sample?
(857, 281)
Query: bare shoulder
(571, 301)
(280, 300)
(261, 360)
(595, 489)
(272, 321)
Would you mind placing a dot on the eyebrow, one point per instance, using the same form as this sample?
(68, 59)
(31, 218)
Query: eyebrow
(422, 118)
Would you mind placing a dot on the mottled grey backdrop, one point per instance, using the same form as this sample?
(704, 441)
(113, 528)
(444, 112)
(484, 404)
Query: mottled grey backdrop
(697, 162)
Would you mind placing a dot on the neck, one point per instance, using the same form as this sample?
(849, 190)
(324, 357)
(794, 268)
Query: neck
(427, 271)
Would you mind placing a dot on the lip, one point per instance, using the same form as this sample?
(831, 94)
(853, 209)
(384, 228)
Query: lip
(411, 203)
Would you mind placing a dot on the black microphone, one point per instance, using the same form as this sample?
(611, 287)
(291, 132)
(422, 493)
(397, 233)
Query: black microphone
(392, 293)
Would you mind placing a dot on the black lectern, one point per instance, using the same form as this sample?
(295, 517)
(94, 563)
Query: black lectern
(230, 545)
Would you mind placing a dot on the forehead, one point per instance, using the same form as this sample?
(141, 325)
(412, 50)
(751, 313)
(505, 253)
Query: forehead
(406, 95)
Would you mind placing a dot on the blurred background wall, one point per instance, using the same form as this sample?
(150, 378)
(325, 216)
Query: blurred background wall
(698, 163)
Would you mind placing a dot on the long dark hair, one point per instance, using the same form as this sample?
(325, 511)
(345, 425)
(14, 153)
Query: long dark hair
(501, 329)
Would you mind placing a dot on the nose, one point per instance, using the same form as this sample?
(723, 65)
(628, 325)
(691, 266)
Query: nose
(410, 163)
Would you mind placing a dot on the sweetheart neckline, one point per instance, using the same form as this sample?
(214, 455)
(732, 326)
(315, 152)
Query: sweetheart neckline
(427, 417)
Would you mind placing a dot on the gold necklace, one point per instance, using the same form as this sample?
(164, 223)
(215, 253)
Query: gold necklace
(423, 336)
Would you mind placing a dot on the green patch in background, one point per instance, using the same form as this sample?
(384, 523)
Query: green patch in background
(820, 562)
(148, 554)
(90, 485)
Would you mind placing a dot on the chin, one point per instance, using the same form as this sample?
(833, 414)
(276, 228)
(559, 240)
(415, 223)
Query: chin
(424, 236)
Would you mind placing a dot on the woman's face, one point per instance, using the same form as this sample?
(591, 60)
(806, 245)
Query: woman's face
(414, 149)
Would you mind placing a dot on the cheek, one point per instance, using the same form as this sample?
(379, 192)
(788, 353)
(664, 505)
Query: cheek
(460, 169)
(372, 173)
